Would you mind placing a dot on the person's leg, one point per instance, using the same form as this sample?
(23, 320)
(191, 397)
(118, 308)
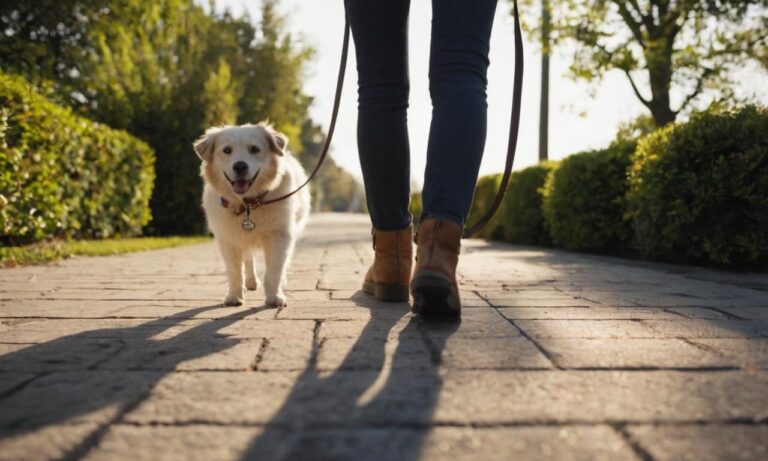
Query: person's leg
(380, 32)
(461, 32)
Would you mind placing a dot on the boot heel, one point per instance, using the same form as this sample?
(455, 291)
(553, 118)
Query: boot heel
(434, 295)
(387, 292)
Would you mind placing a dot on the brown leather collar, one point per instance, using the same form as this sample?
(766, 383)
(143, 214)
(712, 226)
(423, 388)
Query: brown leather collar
(253, 202)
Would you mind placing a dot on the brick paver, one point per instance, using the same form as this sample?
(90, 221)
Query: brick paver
(557, 356)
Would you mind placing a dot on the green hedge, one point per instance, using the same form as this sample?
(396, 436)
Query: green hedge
(520, 217)
(414, 207)
(485, 192)
(63, 175)
(584, 200)
(699, 190)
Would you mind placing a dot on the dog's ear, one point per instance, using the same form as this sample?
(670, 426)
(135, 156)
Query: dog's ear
(277, 141)
(205, 144)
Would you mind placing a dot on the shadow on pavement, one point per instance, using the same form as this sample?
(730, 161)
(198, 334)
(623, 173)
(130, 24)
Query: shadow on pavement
(102, 374)
(375, 405)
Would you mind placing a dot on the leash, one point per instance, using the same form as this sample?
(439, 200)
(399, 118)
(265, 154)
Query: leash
(514, 126)
(334, 115)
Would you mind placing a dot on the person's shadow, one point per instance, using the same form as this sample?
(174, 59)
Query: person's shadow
(375, 405)
(374, 400)
(101, 374)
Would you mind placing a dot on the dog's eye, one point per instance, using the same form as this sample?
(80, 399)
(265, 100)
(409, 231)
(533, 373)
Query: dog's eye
(254, 149)
(227, 150)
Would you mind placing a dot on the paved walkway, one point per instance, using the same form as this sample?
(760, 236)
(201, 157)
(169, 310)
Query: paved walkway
(557, 356)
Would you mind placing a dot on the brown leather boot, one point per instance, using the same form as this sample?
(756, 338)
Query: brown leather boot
(388, 277)
(434, 287)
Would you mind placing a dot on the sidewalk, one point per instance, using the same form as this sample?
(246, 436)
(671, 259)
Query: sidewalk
(557, 356)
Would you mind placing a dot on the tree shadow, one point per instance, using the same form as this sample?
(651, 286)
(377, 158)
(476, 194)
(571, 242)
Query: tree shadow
(375, 404)
(99, 375)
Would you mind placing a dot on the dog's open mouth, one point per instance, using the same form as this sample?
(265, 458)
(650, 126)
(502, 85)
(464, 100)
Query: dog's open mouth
(241, 185)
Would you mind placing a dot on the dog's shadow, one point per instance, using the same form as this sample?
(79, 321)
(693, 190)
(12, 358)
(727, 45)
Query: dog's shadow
(378, 403)
(101, 374)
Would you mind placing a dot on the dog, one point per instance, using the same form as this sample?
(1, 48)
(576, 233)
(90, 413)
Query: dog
(242, 165)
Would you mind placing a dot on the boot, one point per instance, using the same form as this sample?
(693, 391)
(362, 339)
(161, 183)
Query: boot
(388, 277)
(434, 288)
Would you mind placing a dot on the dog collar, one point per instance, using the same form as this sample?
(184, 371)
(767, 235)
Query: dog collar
(248, 202)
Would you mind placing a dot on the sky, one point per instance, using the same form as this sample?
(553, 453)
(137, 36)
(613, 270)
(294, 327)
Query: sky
(577, 122)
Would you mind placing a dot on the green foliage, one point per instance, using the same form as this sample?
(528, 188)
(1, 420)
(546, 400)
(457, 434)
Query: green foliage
(63, 175)
(521, 217)
(333, 189)
(699, 190)
(584, 200)
(485, 192)
(162, 70)
(414, 207)
(690, 46)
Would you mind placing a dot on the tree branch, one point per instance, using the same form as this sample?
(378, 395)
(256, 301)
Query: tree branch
(634, 26)
(645, 102)
(696, 91)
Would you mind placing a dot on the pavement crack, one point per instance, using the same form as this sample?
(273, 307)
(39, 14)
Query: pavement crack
(536, 344)
(641, 452)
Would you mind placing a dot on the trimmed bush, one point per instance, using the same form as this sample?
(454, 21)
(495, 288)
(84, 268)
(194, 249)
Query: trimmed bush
(584, 200)
(485, 192)
(699, 190)
(521, 219)
(414, 207)
(63, 175)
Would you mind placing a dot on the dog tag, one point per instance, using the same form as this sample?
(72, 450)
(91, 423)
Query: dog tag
(247, 223)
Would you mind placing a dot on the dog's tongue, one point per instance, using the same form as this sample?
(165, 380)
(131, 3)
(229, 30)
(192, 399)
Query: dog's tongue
(241, 186)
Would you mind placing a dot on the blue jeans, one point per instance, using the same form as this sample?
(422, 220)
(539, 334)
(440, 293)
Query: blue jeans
(458, 64)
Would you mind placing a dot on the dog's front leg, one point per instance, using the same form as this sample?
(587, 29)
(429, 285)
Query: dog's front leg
(251, 280)
(233, 260)
(277, 253)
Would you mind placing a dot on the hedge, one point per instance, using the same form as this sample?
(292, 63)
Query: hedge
(584, 203)
(485, 192)
(414, 207)
(521, 218)
(699, 190)
(65, 176)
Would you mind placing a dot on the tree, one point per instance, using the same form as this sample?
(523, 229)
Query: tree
(672, 51)
(544, 101)
(163, 70)
(333, 189)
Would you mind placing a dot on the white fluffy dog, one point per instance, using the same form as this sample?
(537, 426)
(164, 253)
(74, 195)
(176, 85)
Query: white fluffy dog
(242, 165)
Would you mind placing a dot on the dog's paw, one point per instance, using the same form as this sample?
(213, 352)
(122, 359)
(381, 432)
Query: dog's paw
(232, 300)
(277, 300)
(252, 284)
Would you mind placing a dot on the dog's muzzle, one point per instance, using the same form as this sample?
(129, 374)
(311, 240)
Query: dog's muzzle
(241, 185)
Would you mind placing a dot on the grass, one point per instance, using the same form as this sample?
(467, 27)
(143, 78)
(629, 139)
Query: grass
(42, 252)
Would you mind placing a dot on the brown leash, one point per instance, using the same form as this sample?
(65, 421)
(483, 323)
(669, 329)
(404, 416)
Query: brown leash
(334, 115)
(514, 125)
(511, 145)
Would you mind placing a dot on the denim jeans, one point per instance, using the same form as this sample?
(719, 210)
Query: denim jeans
(458, 65)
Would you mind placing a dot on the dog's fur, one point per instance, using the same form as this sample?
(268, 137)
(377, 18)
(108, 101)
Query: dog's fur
(278, 225)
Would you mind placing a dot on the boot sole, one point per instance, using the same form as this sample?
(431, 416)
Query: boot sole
(434, 295)
(387, 291)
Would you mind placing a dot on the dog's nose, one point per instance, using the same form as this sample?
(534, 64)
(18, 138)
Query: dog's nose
(240, 167)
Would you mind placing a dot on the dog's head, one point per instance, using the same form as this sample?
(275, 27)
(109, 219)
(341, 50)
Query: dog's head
(243, 158)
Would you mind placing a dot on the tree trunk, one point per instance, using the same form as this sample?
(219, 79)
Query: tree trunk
(544, 104)
(658, 55)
